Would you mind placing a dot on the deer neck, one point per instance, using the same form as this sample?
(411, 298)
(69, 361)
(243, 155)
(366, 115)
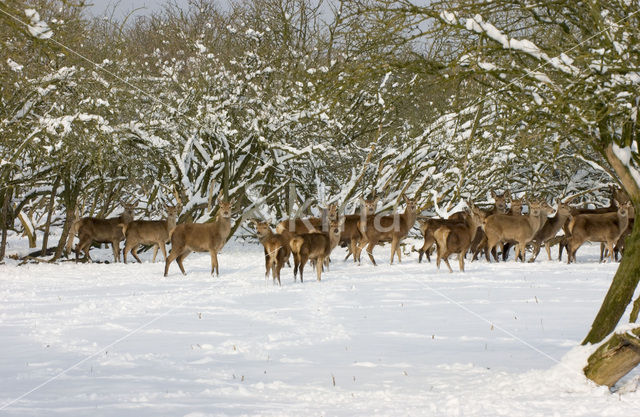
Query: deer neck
(623, 221)
(536, 222)
(409, 218)
(171, 222)
(267, 235)
(223, 224)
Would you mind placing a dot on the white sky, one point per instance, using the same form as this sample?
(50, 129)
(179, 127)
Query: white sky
(124, 7)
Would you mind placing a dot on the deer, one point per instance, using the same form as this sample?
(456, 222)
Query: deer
(619, 246)
(149, 232)
(297, 226)
(351, 235)
(616, 195)
(428, 226)
(92, 229)
(521, 229)
(276, 250)
(598, 227)
(394, 227)
(547, 234)
(314, 246)
(499, 207)
(201, 237)
(456, 237)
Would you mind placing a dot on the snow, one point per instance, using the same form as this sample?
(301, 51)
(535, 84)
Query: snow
(14, 65)
(122, 340)
(624, 155)
(37, 28)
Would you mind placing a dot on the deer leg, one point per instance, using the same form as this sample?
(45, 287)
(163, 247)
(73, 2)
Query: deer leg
(603, 251)
(276, 273)
(267, 264)
(296, 265)
(351, 250)
(155, 252)
(370, 247)
(164, 251)
(461, 259)
(303, 261)
(610, 249)
(536, 250)
(438, 256)
(319, 264)
(214, 262)
(547, 247)
(172, 256)
(83, 246)
(134, 252)
(179, 260)
(446, 261)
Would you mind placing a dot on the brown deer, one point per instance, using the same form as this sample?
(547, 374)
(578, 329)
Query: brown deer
(547, 234)
(201, 237)
(428, 226)
(351, 235)
(479, 243)
(314, 246)
(298, 226)
(91, 229)
(276, 250)
(521, 229)
(600, 227)
(619, 246)
(394, 227)
(616, 195)
(149, 232)
(456, 238)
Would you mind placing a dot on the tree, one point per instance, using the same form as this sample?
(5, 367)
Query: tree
(556, 67)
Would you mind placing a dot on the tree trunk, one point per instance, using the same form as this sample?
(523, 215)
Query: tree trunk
(635, 310)
(620, 292)
(614, 359)
(5, 212)
(50, 207)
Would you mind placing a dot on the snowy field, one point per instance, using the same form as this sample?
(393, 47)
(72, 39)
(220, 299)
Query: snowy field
(393, 340)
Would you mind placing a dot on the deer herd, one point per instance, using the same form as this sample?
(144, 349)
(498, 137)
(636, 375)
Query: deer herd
(474, 231)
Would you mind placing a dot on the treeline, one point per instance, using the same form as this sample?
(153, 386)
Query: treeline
(268, 100)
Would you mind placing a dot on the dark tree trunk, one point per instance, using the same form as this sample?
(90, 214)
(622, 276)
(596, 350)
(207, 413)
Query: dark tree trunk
(50, 208)
(4, 218)
(620, 292)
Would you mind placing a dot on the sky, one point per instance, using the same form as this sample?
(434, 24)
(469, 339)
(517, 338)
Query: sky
(124, 7)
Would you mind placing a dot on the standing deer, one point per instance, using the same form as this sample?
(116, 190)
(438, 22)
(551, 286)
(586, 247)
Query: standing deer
(297, 226)
(314, 246)
(91, 229)
(394, 227)
(429, 226)
(547, 234)
(201, 237)
(619, 246)
(276, 250)
(521, 229)
(601, 227)
(456, 238)
(351, 236)
(149, 232)
(617, 195)
(479, 243)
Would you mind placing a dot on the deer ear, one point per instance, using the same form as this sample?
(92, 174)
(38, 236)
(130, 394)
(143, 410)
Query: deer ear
(493, 194)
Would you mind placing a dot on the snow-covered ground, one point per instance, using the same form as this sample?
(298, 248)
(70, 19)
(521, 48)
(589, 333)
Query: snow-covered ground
(393, 340)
